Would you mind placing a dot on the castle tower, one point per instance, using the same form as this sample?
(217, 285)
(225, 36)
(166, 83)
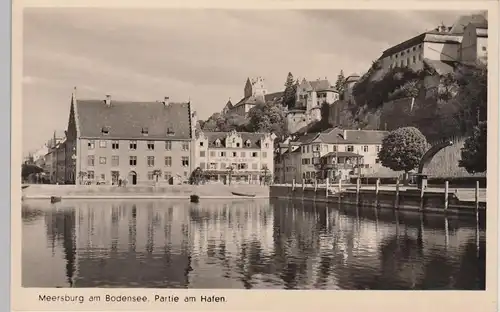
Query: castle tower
(255, 87)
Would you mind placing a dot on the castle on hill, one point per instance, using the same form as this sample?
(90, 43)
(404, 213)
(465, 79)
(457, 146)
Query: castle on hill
(310, 96)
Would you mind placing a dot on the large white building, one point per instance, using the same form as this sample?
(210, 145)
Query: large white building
(465, 41)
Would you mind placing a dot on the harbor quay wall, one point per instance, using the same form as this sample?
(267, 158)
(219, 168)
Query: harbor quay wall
(408, 199)
(40, 191)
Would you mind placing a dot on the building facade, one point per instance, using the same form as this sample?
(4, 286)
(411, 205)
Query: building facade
(455, 43)
(234, 157)
(475, 43)
(309, 100)
(338, 153)
(140, 142)
(287, 164)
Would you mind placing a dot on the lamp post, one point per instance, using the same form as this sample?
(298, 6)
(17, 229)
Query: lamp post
(230, 173)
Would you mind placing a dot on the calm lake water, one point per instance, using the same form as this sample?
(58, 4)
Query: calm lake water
(246, 244)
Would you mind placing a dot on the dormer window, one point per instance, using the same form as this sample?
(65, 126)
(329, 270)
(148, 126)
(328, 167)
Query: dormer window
(247, 143)
(217, 143)
(145, 131)
(170, 131)
(105, 130)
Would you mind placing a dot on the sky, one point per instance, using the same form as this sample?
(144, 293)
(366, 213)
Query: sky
(204, 56)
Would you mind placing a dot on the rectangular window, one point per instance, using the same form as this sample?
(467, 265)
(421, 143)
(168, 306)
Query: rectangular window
(303, 149)
(103, 177)
(115, 175)
(115, 145)
(91, 144)
(235, 154)
(151, 146)
(365, 148)
(102, 160)
(151, 161)
(255, 154)
(212, 154)
(150, 176)
(103, 144)
(222, 154)
(90, 175)
(185, 161)
(201, 143)
(91, 160)
(349, 148)
(115, 161)
(213, 166)
(185, 146)
(185, 173)
(242, 166)
(414, 59)
(378, 148)
(132, 160)
(168, 145)
(243, 154)
(168, 161)
(202, 153)
(133, 145)
(377, 161)
(335, 148)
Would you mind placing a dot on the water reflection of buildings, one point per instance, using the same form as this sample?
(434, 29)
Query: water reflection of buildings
(258, 245)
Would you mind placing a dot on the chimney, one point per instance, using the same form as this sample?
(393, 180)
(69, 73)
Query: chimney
(166, 101)
(345, 134)
(108, 100)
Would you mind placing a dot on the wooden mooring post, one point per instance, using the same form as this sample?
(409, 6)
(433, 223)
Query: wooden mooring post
(303, 184)
(327, 186)
(422, 193)
(476, 195)
(293, 185)
(315, 185)
(377, 186)
(446, 189)
(339, 195)
(396, 204)
(358, 186)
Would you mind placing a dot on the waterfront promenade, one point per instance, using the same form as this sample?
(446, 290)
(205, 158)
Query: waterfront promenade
(208, 191)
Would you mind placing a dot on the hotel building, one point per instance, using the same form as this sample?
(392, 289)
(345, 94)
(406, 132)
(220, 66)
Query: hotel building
(239, 157)
(137, 141)
(334, 153)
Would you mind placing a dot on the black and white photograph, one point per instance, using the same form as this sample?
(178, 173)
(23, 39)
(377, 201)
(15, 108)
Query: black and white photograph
(212, 148)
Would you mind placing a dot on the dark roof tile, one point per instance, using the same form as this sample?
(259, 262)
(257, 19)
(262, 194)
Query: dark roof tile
(128, 120)
(253, 137)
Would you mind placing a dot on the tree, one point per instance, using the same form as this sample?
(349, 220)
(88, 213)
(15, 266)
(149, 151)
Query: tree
(474, 151)
(196, 176)
(289, 95)
(340, 83)
(402, 149)
(267, 117)
(28, 169)
(224, 123)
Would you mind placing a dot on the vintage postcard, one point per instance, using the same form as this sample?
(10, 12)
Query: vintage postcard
(267, 155)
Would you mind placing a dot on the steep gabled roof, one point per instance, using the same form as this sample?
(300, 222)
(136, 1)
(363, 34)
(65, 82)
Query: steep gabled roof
(319, 85)
(477, 20)
(340, 136)
(131, 120)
